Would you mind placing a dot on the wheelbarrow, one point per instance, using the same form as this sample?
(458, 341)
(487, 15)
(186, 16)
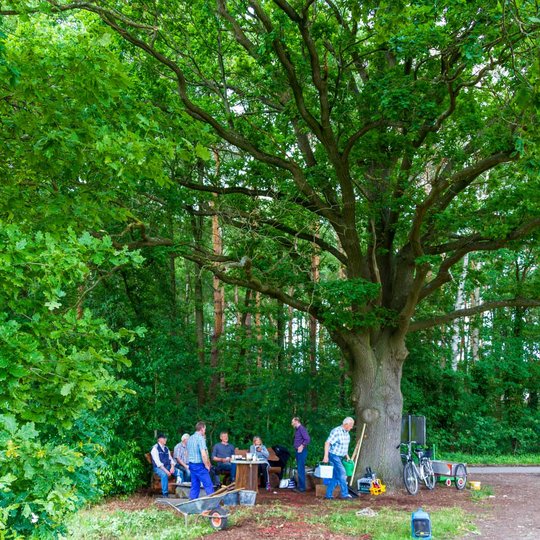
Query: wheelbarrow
(208, 507)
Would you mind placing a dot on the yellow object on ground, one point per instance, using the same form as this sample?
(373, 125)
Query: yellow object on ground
(475, 486)
(377, 487)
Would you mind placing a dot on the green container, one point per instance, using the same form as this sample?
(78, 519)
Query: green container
(349, 467)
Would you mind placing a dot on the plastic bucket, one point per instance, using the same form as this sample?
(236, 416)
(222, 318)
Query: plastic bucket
(324, 470)
(247, 497)
(349, 467)
(231, 499)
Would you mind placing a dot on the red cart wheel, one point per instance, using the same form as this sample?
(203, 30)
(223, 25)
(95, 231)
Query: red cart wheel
(218, 519)
(460, 476)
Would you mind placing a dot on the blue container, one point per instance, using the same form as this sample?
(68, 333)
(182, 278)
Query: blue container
(420, 525)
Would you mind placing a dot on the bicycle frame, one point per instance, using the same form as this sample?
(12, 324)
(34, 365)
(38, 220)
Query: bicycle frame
(423, 471)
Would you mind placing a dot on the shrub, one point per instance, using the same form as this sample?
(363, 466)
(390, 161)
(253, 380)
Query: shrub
(123, 471)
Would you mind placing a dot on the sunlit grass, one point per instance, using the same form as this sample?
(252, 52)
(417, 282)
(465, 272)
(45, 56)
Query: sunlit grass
(490, 459)
(447, 524)
(149, 524)
(102, 523)
(483, 493)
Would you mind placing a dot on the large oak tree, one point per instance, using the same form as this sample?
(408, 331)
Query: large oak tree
(394, 138)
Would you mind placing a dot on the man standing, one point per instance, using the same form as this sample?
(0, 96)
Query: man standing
(222, 454)
(336, 448)
(162, 462)
(181, 456)
(199, 462)
(300, 443)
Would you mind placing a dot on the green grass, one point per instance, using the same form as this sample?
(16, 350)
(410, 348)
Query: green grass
(446, 524)
(490, 459)
(483, 493)
(276, 512)
(100, 523)
(149, 524)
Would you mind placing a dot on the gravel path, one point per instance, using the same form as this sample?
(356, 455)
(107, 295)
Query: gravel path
(513, 511)
(503, 470)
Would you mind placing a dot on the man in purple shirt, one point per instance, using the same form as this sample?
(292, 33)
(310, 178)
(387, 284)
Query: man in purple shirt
(301, 441)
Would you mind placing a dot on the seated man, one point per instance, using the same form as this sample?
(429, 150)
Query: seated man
(162, 462)
(222, 454)
(180, 456)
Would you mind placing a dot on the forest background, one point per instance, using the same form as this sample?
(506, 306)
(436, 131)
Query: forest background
(108, 333)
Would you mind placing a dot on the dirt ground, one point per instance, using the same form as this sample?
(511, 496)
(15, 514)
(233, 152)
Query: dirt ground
(511, 510)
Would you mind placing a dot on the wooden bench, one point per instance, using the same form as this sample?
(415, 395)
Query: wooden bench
(155, 480)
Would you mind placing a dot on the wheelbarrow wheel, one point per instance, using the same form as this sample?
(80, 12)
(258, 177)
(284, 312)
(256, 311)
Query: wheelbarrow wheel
(218, 518)
(460, 476)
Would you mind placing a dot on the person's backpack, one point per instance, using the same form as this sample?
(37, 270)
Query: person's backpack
(282, 453)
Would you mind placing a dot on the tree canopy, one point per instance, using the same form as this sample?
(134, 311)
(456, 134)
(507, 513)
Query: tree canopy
(350, 158)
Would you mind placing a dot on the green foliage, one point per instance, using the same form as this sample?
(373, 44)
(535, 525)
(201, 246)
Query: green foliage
(488, 405)
(337, 295)
(38, 481)
(58, 362)
(123, 471)
(95, 142)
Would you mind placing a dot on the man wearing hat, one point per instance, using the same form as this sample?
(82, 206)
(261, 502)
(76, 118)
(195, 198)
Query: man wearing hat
(163, 462)
(180, 455)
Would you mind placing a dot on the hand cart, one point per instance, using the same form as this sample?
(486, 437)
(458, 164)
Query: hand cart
(209, 507)
(449, 472)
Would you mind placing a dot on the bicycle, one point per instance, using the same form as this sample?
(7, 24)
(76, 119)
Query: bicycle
(412, 472)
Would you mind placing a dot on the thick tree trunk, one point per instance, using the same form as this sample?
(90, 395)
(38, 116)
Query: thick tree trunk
(376, 373)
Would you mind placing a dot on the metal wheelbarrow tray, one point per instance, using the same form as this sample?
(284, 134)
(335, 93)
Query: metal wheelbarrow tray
(449, 471)
(209, 507)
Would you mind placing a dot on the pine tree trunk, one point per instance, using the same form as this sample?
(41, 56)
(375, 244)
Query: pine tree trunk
(258, 330)
(219, 302)
(313, 330)
(199, 331)
(197, 229)
(280, 334)
(457, 337)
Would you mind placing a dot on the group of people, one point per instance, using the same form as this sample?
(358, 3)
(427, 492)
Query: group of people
(191, 461)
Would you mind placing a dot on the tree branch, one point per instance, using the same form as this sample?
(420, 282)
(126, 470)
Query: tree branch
(487, 306)
(443, 275)
(251, 282)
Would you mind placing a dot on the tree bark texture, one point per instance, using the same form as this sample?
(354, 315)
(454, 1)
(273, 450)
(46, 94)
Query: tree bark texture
(378, 402)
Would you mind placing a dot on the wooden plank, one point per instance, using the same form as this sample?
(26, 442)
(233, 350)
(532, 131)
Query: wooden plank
(355, 458)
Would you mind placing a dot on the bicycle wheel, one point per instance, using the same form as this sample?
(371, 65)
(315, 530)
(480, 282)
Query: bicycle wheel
(460, 476)
(410, 479)
(429, 475)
